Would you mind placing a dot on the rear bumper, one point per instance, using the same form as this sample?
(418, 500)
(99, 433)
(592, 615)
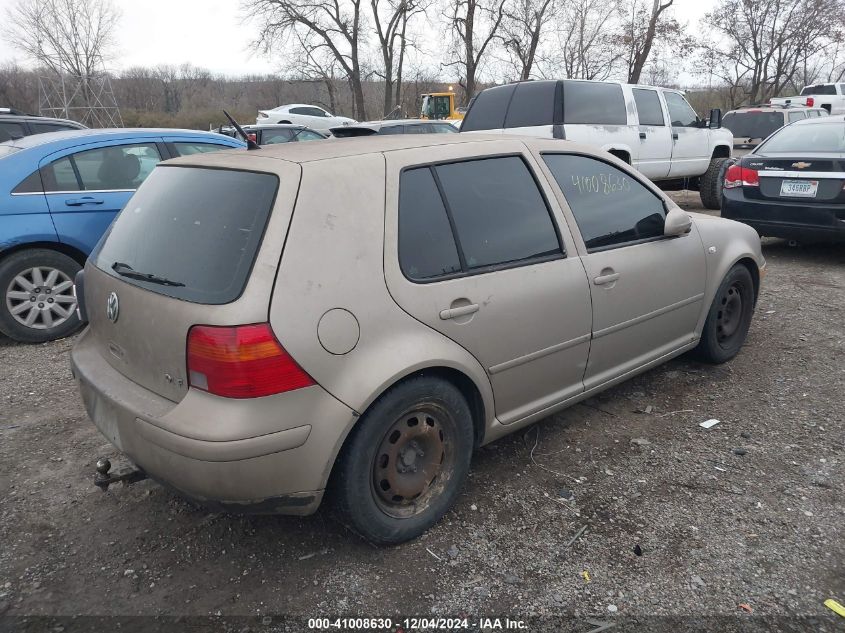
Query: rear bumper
(202, 447)
(788, 219)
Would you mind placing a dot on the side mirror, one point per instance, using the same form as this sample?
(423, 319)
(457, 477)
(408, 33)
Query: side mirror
(677, 223)
(715, 119)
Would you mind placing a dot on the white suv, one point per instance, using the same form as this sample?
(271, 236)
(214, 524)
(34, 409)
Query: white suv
(301, 114)
(653, 129)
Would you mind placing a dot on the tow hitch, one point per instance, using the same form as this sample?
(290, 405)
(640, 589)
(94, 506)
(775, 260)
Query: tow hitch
(128, 475)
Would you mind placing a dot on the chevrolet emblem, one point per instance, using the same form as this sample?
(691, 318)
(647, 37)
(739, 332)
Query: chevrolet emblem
(801, 165)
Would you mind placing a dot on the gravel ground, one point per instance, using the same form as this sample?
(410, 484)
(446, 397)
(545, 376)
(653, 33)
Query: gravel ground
(680, 521)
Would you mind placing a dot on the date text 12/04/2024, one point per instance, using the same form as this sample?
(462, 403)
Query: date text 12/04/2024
(402, 625)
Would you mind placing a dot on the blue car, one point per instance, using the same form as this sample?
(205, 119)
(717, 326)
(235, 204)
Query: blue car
(58, 194)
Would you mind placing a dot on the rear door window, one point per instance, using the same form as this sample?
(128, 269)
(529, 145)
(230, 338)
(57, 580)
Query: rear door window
(648, 107)
(488, 109)
(795, 116)
(426, 245)
(533, 103)
(595, 103)
(498, 212)
(193, 230)
(611, 208)
(116, 168)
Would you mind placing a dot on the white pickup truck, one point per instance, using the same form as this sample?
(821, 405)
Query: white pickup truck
(653, 129)
(831, 97)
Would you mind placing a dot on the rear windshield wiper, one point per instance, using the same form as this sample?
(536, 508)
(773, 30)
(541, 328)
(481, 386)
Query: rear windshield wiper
(125, 270)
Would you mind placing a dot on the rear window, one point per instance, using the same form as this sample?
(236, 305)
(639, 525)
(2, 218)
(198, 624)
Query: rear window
(829, 89)
(533, 103)
(809, 137)
(593, 102)
(488, 109)
(195, 230)
(752, 124)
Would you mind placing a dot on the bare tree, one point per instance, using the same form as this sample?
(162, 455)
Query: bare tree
(473, 24)
(764, 43)
(74, 37)
(337, 24)
(391, 21)
(524, 24)
(640, 27)
(584, 34)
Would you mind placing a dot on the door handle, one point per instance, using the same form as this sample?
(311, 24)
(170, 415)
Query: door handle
(454, 313)
(642, 135)
(606, 279)
(675, 136)
(78, 202)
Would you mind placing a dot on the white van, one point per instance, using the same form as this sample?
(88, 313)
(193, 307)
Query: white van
(653, 129)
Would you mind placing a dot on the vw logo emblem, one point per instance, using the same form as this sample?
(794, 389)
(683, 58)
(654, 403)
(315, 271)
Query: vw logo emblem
(112, 307)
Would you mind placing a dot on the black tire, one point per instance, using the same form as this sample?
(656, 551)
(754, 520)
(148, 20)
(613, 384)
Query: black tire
(374, 465)
(729, 318)
(19, 265)
(710, 185)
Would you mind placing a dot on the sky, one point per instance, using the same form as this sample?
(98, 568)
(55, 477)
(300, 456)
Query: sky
(210, 34)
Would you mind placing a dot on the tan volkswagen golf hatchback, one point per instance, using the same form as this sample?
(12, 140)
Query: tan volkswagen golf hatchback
(352, 319)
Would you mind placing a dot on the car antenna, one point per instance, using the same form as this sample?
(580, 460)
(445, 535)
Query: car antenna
(250, 144)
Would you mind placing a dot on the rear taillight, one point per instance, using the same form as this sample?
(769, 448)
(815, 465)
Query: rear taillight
(737, 176)
(810, 102)
(244, 361)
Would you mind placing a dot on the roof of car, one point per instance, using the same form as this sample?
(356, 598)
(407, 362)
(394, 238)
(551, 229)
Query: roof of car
(11, 113)
(357, 146)
(104, 134)
(376, 125)
(766, 107)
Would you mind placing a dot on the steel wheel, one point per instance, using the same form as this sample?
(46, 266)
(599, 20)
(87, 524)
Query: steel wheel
(414, 458)
(729, 316)
(41, 298)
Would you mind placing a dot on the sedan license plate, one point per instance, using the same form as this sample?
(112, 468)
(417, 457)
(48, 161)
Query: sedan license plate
(799, 188)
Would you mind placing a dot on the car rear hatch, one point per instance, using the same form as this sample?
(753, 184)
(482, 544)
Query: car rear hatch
(808, 179)
(198, 244)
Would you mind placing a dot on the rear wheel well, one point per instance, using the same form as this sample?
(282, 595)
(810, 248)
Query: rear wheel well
(721, 152)
(622, 155)
(70, 251)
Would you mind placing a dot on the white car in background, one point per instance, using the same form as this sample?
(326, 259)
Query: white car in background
(302, 114)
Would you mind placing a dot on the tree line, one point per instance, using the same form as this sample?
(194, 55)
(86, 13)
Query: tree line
(366, 58)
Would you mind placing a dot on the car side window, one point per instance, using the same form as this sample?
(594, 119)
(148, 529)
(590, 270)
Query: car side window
(498, 212)
(443, 128)
(41, 128)
(10, 130)
(488, 108)
(120, 167)
(426, 245)
(30, 184)
(795, 116)
(593, 103)
(392, 129)
(533, 103)
(273, 137)
(189, 149)
(60, 175)
(680, 111)
(648, 107)
(308, 135)
(812, 114)
(422, 128)
(611, 208)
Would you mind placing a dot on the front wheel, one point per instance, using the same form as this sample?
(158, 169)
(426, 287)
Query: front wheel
(37, 303)
(404, 462)
(729, 318)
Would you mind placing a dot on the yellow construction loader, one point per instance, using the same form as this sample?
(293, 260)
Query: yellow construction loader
(440, 105)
